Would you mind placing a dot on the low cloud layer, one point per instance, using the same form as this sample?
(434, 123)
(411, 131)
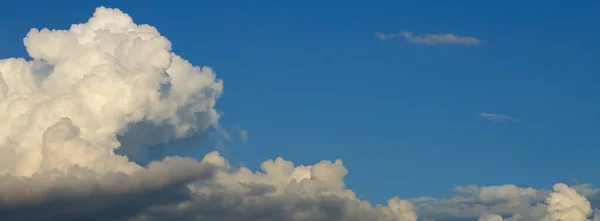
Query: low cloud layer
(431, 39)
(93, 97)
(510, 202)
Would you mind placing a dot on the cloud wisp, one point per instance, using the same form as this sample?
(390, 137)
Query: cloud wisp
(431, 39)
(499, 118)
(110, 84)
(244, 136)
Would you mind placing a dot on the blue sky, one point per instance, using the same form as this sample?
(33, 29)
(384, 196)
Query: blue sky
(311, 81)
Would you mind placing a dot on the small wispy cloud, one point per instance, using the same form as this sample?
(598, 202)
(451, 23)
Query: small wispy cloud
(234, 133)
(431, 39)
(244, 136)
(501, 118)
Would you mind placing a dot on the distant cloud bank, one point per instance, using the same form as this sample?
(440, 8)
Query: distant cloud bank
(431, 39)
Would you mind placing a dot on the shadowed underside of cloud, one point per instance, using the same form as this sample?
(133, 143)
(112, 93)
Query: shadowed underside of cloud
(431, 39)
(82, 194)
(95, 96)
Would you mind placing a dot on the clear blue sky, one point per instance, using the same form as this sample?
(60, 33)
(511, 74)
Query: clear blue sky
(310, 81)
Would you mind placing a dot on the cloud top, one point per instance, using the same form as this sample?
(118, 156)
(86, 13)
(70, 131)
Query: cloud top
(566, 204)
(88, 84)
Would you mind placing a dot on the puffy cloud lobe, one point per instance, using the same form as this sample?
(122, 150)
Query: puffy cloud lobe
(63, 111)
(566, 204)
(105, 75)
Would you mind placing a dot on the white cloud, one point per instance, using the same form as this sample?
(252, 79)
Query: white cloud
(497, 117)
(109, 85)
(566, 204)
(431, 39)
(105, 75)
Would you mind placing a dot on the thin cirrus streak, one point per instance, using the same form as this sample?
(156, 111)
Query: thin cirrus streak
(501, 118)
(431, 39)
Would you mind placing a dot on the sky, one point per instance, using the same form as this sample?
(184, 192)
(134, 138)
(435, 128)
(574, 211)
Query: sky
(415, 97)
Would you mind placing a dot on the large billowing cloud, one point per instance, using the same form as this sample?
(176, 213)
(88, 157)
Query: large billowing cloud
(111, 86)
(63, 110)
(91, 98)
(86, 85)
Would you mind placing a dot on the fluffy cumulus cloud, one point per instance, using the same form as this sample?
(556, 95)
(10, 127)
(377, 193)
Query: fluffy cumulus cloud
(92, 98)
(566, 204)
(282, 192)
